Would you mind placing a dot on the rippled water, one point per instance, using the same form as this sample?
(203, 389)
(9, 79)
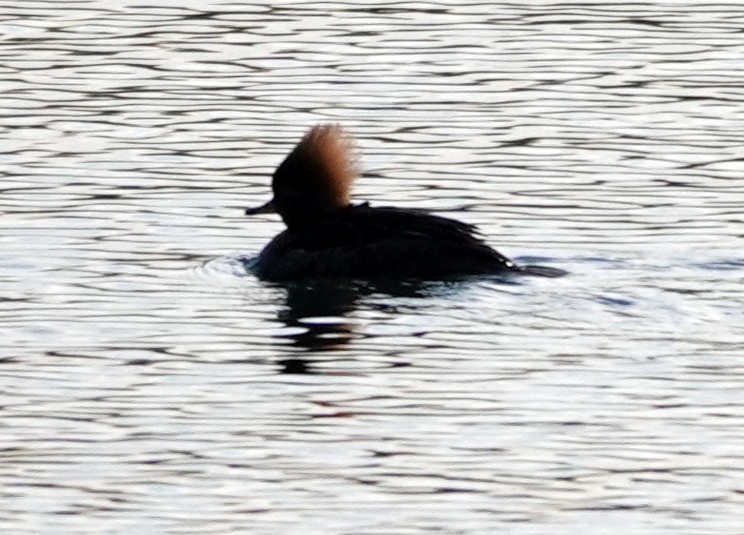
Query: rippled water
(149, 385)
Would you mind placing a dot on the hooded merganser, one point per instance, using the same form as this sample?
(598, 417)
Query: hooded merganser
(327, 236)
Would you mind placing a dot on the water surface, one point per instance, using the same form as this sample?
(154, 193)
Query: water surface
(149, 384)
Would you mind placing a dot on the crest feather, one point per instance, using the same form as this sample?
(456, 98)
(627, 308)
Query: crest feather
(328, 151)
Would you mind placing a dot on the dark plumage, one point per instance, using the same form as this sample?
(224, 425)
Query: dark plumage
(326, 236)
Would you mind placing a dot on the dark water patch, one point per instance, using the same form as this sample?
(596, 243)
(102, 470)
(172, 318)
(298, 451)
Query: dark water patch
(615, 301)
(733, 264)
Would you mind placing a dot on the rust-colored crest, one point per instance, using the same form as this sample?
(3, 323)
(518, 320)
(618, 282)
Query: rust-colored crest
(330, 154)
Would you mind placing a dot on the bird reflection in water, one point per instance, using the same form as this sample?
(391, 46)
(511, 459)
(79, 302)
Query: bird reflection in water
(318, 311)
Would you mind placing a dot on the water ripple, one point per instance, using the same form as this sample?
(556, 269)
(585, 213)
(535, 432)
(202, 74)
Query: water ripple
(151, 384)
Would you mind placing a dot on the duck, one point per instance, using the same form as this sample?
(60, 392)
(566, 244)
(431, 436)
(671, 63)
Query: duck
(328, 236)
